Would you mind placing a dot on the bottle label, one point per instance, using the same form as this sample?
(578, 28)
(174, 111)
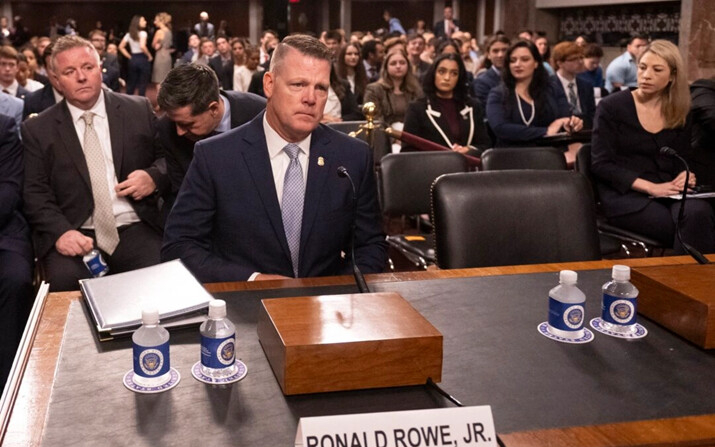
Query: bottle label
(151, 361)
(95, 263)
(618, 310)
(218, 352)
(565, 316)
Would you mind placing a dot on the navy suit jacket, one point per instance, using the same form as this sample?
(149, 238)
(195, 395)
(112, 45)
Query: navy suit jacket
(483, 84)
(14, 232)
(585, 98)
(39, 100)
(226, 223)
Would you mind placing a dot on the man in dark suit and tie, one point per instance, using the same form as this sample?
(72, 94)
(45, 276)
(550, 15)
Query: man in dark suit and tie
(108, 61)
(15, 249)
(447, 26)
(194, 109)
(9, 65)
(245, 211)
(92, 173)
(568, 63)
(223, 63)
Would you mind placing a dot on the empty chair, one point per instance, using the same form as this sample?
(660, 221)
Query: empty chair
(513, 217)
(608, 231)
(523, 158)
(405, 181)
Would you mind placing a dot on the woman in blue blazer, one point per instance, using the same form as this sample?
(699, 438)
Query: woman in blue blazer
(526, 106)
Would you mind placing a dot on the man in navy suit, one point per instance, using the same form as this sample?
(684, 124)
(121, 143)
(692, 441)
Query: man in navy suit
(496, 51)
(568, 63)
(447, 26)
(15, 248)
(244, 211)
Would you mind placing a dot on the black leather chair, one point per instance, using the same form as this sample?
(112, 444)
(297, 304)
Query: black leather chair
(513, 217)
(380, 144)
(405, 181)
(523, 158)
(608, 231)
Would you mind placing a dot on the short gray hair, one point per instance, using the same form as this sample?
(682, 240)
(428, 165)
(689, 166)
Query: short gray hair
(65, 43)
(305, 44)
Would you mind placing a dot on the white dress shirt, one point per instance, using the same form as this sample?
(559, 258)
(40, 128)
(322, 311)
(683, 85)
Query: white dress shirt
(123, 210)
(565, 84)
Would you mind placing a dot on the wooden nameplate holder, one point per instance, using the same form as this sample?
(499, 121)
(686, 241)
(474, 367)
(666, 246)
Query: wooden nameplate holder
(681, 298)
(347, 342)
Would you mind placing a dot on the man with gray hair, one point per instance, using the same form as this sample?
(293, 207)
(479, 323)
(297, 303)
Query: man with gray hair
(92, 173)
(266, 200)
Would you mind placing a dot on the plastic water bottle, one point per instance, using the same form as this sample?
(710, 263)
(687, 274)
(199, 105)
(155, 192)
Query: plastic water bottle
(95, 263)
(151, 351)
(618, 308)
(218, 343)
(566, 307)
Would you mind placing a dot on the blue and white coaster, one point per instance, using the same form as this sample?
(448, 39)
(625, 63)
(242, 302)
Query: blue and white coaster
(174, 378)
(640, 332)
(544, 330)
(241, 372)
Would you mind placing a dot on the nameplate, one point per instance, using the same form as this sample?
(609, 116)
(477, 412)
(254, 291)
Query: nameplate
(454, 427)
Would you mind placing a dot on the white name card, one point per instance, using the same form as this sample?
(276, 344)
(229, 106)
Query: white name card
(454, 427)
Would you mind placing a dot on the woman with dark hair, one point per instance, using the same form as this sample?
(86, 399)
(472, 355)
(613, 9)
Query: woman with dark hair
(350, 67)
(341, 104)
(446, 115)
(395, 89)
(542, 44)
(526, 106)
(140, 57)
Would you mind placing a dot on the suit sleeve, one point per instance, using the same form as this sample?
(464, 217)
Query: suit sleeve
(370, 243)
(504, 128)
(604, 143)
(187, 235)
(11, 169)
(157, 170)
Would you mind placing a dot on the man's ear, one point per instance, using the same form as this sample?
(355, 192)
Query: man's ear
(268, 83)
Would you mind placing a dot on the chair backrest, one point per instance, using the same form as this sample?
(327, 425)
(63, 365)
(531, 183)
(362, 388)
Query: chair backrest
(513, 217)
(380, 143)
(405, 179)
(523, 158)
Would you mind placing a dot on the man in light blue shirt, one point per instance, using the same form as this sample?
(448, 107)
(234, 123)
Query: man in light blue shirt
(623, 70)
(393, 23)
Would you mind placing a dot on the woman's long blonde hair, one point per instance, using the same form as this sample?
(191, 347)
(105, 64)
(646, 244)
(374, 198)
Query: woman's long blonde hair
(675, 98)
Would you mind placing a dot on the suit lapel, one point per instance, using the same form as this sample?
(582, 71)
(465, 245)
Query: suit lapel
(116, 132)
(438, 121)
(318, 174)
(71, 143)
(258, 162)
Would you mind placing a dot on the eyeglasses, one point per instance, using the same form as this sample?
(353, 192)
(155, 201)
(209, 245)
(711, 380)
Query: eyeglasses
(574, 58)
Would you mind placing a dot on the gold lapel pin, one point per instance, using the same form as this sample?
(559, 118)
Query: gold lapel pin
(321, 161)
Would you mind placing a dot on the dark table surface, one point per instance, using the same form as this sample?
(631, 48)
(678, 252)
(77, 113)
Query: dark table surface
(493, 355)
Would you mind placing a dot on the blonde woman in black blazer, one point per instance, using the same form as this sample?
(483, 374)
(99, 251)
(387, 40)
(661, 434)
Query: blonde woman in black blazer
(447, 115)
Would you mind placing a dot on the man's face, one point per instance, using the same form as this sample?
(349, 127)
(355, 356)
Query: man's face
(23, 72)
(8, 71)
(497, 53)
(208, 48)
(415, 47)
(223, 47)
(78, 75)
(268, 40)
(379, 54)
(41, 45)
(99, 42)
(637, 47)
(296, 92)
(194, 41)
(448, 13)
(591, 63)
(195, 127)
(333, 45)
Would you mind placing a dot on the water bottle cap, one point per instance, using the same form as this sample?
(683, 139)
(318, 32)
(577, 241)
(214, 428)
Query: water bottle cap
(150, 316)
(217, 309)
(621, 273)
(568, 277)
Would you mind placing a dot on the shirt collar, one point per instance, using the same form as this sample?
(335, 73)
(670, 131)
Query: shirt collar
(225, 123)
(565, 82)
(99, 109)
(276, 143)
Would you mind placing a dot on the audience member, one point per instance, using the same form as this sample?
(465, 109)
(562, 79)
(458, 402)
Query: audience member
(341, 104)
(238, 47)
(223, 64)
(138, 55)
(623, 70)
(194, 108)
(415, 47)
(240, 213)
(207, 50)
(12, 107)
(350, 67)
(192, 53)
(23, 76)
(8, 73)
(32, 57)
(581, 41)
(430, 48)
(527, 106)
(395, 89)
(92, 173)
(204, 28)
(373, 54)
(567, 58)
(703, 140)
(334, 41)
(542, 44)
(162, 43)
(446, 115)
(50, 94)
(242, 75)
(526, 34)
(419, 28)
(393, 23)
(496, 48)
(15, 248)
(593, 73)
(108, 62)
(269, 40)
(446, 26)
(633, 178)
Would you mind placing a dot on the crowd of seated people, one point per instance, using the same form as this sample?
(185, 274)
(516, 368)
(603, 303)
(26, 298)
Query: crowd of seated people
(440, 85)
